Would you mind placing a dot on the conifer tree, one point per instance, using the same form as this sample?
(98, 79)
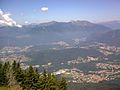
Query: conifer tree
(63, 84)
(1, 74)
(5, 73)
(11, 77)
(29, 79)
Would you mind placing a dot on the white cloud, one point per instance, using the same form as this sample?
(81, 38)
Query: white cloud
(5, 19)
(44, 9)
(26, 22)
(19, 26)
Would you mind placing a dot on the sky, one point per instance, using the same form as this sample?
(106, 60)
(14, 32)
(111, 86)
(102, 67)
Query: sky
(38, 11)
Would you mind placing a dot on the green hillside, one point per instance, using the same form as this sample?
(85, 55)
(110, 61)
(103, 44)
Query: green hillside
(13, 77)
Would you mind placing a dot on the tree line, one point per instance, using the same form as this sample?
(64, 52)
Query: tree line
(11, 74)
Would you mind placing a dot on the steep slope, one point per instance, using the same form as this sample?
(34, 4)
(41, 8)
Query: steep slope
(49, 32)
(111, 24)
(110, 37)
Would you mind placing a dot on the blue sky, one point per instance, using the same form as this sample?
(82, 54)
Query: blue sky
(29, 11)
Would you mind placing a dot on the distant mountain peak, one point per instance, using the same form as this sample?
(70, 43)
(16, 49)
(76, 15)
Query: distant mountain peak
(48, 23)
(82, 23)
(112, 24)
(111, 37)
(114, 21)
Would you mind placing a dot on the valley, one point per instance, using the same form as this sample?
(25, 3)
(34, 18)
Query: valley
(68, 49)
(81, 63)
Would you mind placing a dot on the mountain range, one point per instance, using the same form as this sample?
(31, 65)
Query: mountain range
(49, 32)
(111, 24)
(110, 37)
(45, 33)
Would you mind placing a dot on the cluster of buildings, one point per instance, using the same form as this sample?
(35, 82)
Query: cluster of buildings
(14, 57)
(83, 60)
(14, 54)
(104, 48)
(107, 66)
(107, 49)
(105, 71)
(10, 50)
(79, 76)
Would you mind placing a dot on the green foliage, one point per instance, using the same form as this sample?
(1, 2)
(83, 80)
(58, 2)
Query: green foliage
(4, 68)
(29, 79)
(63, 84)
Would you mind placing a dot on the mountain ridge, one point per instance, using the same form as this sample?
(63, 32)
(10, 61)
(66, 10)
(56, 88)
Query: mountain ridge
(50, 32)
(110, 37)
(111, 24)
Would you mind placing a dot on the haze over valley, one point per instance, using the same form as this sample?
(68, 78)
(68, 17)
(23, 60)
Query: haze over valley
(78, 41)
